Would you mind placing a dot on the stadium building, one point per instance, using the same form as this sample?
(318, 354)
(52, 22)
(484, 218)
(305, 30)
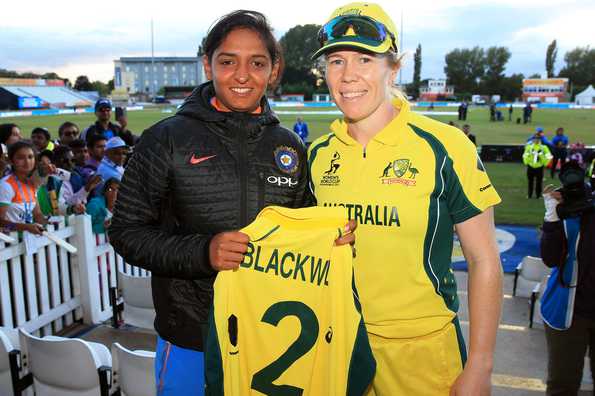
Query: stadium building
(546, 90)
(25, 93)
(436, 90)
(146, 75)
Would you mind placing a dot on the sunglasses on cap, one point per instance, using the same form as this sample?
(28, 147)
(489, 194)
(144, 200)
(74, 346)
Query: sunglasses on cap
(364, 30)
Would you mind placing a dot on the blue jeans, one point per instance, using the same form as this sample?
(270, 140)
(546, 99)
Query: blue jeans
(178, 371)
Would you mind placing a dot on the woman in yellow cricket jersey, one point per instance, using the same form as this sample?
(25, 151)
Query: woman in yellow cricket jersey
(407, 180)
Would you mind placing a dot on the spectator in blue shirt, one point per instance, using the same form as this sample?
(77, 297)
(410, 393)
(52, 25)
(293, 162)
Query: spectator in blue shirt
(540, 134)
(559, 146)
(112, 164)
(301, 128)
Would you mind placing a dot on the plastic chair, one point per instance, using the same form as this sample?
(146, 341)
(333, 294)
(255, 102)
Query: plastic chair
(9, 342)
(136, 301)
(66, 366)
(527, 275)
(11, 382)
(133, 371)
(535, 302)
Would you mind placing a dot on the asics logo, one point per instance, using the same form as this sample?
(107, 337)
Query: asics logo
(194, 160)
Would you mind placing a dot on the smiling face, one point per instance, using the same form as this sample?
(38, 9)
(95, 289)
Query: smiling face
(39, 141)
(359, 83)
(23, 161)
(241, 69)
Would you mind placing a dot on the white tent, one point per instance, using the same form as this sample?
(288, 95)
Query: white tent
(587, 97)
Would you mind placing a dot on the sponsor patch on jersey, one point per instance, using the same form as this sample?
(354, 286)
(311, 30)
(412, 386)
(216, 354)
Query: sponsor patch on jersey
(330, 177)
(287, 159)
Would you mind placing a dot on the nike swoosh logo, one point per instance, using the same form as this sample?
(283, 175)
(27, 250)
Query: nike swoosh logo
(194, 160)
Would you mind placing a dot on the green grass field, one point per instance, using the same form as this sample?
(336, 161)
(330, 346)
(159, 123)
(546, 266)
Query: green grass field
(579, 124)
(509, 179)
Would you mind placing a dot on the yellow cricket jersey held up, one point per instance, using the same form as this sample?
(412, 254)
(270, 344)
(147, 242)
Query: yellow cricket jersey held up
(288, 321)
(415, 179)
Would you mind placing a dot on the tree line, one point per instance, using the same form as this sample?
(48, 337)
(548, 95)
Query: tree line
(471, 70)
(481, 71)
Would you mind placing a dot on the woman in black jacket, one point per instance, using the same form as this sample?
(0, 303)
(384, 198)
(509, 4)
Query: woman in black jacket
(197, 175)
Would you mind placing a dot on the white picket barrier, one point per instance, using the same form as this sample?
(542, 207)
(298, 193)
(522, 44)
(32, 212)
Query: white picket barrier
(37, 290)
(50, 289)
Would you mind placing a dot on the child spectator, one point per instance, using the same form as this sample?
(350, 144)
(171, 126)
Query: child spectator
(74, 192)
(18, 205)
(101, 207)
(96, 148)
(112, 165)
(41, 139)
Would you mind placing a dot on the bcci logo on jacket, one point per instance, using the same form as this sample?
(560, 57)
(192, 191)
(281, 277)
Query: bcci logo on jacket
(403, 171)
(286, 159)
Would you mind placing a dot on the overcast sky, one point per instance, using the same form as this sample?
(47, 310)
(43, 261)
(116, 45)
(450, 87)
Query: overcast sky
(74, 38)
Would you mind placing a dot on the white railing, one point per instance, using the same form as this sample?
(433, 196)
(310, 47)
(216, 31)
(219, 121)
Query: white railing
(51, 288)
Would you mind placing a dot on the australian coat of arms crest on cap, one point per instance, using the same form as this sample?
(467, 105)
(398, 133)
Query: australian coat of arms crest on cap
(287, 159)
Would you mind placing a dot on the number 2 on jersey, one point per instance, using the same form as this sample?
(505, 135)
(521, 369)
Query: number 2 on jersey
(262, 381)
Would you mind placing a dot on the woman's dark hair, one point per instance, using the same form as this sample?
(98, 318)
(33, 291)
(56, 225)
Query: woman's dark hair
(21, 144)
(244, 19)
(65, 125)
(110, 182)
(42, 131)
(6, 131)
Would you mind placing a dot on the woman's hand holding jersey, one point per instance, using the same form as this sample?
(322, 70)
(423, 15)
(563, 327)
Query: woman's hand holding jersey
(226, 250)
(348, 236)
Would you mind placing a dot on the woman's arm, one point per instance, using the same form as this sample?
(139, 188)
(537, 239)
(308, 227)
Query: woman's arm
(477, 236)
(34, 228)
(38, 216)
(138, 232)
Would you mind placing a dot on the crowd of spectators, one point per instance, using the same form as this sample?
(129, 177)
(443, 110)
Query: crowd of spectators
(542, 153)
(75, 174)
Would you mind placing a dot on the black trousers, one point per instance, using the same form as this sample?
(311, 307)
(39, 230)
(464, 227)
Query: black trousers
(559, 155)
(535, 177)
(566, 356)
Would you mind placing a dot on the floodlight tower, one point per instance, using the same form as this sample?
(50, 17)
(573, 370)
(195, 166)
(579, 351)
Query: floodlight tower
(152, 59)
(401, 49)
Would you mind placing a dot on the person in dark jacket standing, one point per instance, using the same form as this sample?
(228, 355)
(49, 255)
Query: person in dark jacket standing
(568, 302)
(200, 174)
